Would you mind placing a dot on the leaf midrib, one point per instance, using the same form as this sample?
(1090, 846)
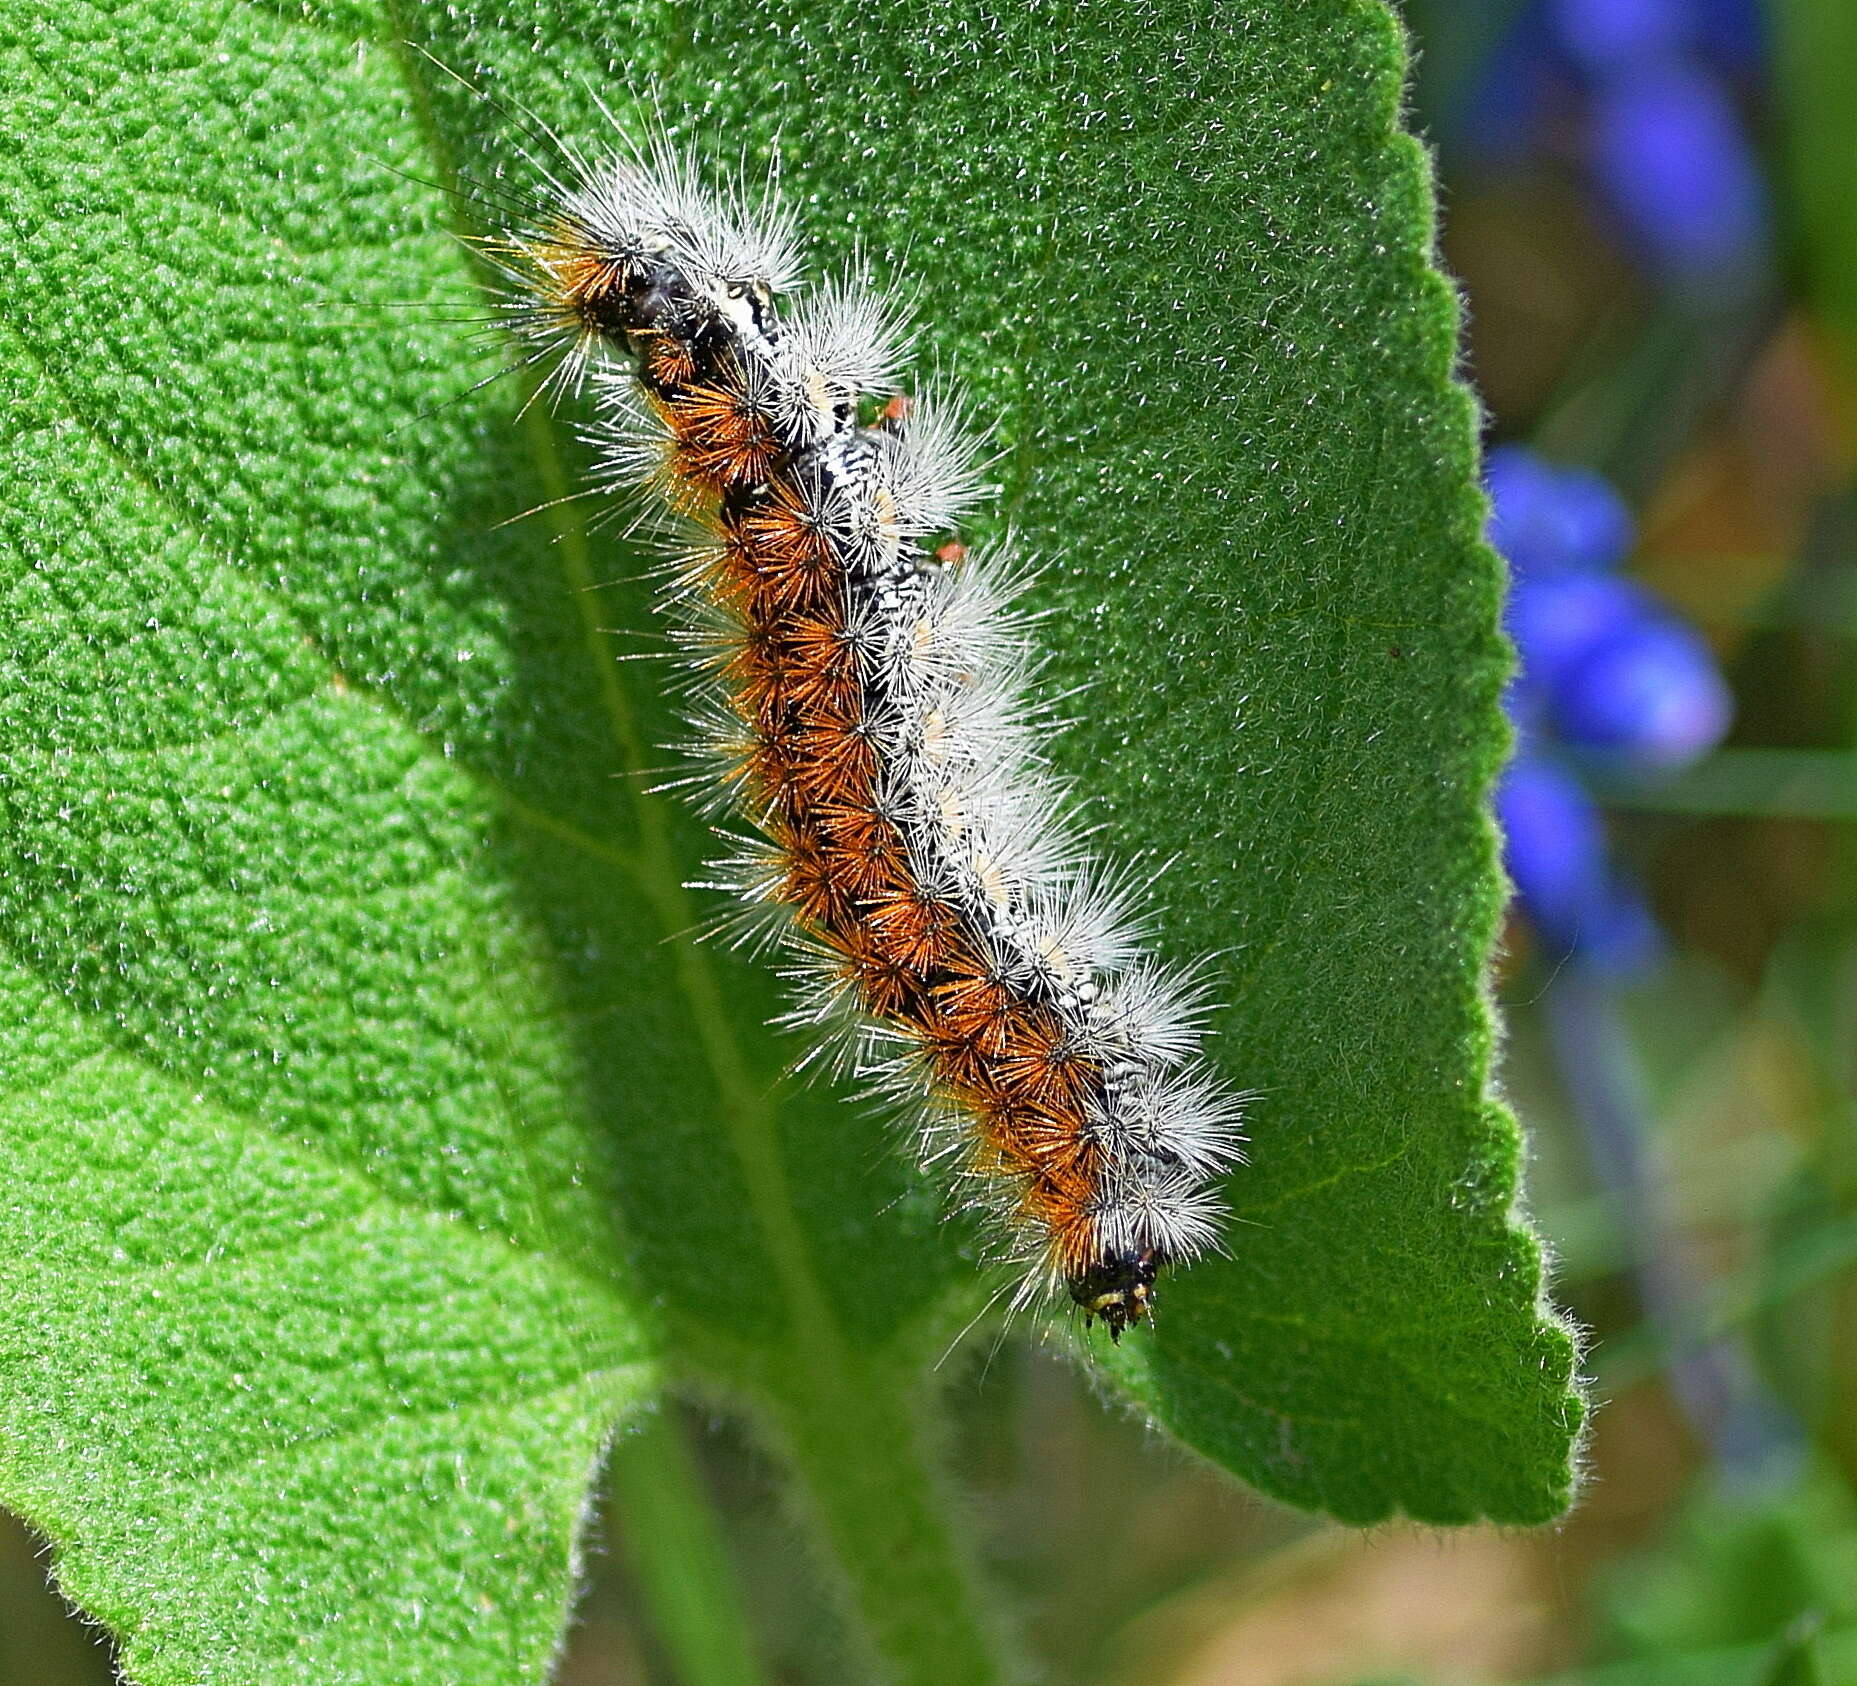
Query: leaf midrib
(650, 867)
(748, 1119)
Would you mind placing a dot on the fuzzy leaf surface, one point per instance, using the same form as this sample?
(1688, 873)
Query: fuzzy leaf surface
(374, 1138)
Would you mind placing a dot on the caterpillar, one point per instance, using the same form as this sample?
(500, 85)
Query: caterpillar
(860, 691)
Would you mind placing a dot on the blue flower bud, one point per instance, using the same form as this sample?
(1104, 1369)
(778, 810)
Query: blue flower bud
(1596, 529)
(1498, 122)
(1555, 852)
(1669, 151)
(1550, 520)
(1612, 36)
(1559, 621)
(1732, 34)
(1553, 843)
(1650, 696)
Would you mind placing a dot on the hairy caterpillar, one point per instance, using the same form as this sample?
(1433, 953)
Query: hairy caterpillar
(860, 692)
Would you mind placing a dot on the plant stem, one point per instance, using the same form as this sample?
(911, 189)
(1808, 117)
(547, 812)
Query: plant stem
(678, 1559)
(1814, 41)
(1716, 1384)
(855, 1441)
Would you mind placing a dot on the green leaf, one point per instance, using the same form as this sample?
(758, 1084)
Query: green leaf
(375, 1138)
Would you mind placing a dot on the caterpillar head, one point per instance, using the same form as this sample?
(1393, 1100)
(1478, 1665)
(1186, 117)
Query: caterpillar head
(1118, 1289)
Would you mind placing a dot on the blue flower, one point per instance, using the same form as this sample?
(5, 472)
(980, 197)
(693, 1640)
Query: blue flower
(1550, 520)
(1555, 851)
(1669, 151)
(1607, 37)
(1501, 117)
(1607, 673)
(1649, 697)
(1558, 622)
(1614, 673)
(1732, 34)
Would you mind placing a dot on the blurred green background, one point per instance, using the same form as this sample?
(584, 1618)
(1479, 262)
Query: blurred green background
(1665, 293)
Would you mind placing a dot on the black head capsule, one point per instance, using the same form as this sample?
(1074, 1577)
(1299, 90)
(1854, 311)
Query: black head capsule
(1119, 1290)
(653, 298)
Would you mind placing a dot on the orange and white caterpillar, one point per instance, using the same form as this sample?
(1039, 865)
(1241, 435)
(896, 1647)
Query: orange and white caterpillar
(860, 685)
